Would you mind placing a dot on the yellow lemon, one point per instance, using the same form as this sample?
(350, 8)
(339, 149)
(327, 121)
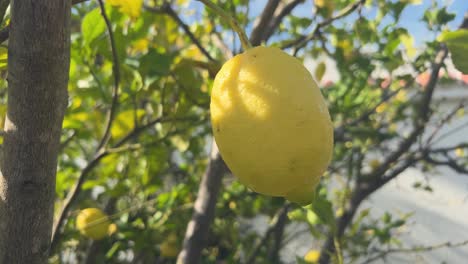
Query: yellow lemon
(112, 229)
(374, 164)
(271, 123)
(312, 256)
(93, 223)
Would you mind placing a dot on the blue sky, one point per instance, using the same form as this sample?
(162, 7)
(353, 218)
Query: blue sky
(410, 18)
(412, 15)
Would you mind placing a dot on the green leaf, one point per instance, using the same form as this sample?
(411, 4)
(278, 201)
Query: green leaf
(155, 63)
(297, 215)
(130, 7)
(312, 218)
(323, 209)
(181, 143)
(443, 16)
(3, 58)
(113, 250)
(93, 26)
(125, 121)
(457, 42)
(320, 71)
(408, 41)
(413, 2)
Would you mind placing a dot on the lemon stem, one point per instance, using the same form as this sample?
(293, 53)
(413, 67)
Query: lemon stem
(235, 26)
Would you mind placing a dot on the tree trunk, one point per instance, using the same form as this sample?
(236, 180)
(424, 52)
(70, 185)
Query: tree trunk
(38, 65)
(204, 210)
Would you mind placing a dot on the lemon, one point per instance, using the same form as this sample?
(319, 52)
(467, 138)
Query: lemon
(312, 256)
(374, 164)
(271, 123)
(93, 223)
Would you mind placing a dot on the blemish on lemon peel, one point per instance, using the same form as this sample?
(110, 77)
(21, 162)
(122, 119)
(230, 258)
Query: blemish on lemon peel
(271, 123)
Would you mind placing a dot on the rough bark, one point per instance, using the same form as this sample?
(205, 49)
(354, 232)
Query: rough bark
(204, 210)
(38, 65)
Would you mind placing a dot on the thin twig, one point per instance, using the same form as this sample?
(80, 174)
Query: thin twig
(100, 150)
(302, 40)
(416, 249)
(67, 141)
(340, 131)
(275, 222)
(449, 162)
(276, 21)
(256, 37)
(450, 132)
(219, 43)
(167, 9)
(74, 2)
(448, 149)
(444, 120)
(116, 73)
(234, 24)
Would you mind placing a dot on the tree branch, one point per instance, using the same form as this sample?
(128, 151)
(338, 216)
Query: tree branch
(100, 150)
(168, 10)
(340, 131)
(449, 162)
(278, 233)
(257, 35)
(74, 2)
(276, 21)
(276, 223)
(444, 120)
(204, 209)
(116, 73)
(303, 40)
(447, 149)
(416, 249)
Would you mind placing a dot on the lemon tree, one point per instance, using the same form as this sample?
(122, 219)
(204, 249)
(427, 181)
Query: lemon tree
(139, 125)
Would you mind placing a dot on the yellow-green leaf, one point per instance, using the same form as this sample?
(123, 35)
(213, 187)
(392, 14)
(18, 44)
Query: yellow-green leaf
(180, 143)
(125, 121)
(408, 41)
(130, 7)
(320, 71)
(92, 25)
(457, 42)
(3, 58)
(414, 2)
